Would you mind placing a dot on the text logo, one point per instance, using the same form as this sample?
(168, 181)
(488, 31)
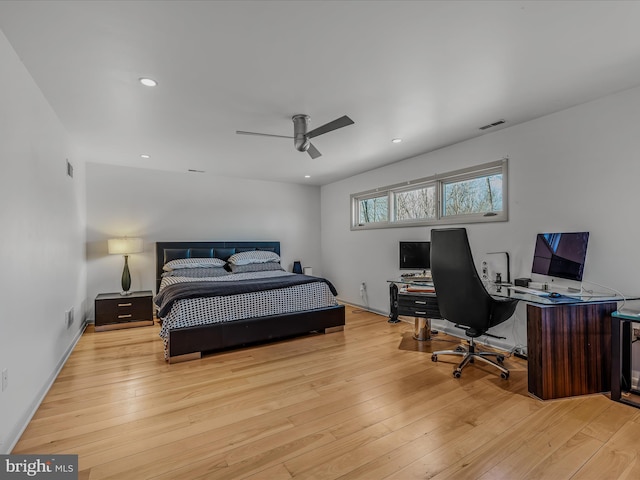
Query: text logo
(50, 467)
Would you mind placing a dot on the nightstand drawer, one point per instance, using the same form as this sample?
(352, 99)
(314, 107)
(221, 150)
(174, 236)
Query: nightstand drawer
(122, 311)
(113, 309)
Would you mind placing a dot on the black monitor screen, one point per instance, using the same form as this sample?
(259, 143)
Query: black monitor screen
(415, 255)
(560, 255)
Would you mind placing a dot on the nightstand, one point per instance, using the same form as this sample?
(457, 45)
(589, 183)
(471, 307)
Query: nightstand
(114, 311)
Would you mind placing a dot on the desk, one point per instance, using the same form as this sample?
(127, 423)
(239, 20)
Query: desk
(568, 337)
(621, 355)
(422, 305)
(568, 342)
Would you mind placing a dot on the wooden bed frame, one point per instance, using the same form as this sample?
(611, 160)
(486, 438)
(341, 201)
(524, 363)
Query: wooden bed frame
(189, 343)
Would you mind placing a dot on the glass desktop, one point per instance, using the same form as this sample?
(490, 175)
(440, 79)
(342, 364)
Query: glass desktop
(541, 297)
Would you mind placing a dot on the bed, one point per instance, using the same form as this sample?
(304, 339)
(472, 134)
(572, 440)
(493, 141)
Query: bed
(231, 309)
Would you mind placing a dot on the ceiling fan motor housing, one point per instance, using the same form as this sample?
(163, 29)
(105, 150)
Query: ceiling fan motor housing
(300, 125)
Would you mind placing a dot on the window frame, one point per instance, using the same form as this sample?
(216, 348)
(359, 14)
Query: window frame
(439, 181)
(368, 196)
(408, 188)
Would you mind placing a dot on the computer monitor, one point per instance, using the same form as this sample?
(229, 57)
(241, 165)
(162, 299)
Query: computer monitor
(560, 255)
(415, 255)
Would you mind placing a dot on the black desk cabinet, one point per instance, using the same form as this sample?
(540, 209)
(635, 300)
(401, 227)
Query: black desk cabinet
(412, 304)
(114, 311)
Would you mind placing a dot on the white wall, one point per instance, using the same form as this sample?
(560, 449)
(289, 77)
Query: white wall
(169, 206)
(575, 170)
(42, 243)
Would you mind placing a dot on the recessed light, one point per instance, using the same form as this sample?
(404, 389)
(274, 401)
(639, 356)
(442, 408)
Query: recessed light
(144, 155)
(396, 140)
(148, 82)
(307, 176)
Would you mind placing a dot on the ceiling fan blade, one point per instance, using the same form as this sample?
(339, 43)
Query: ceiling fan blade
(313, 151)
(240, 132)
(329, 127)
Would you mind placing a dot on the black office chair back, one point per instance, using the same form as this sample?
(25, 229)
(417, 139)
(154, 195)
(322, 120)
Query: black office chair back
(462, 297)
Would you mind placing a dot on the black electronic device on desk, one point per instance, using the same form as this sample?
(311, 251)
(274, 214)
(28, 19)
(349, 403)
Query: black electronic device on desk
(560, 255)
(415, 256)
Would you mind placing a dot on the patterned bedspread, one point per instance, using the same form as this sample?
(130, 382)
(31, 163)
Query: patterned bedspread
(214, 309)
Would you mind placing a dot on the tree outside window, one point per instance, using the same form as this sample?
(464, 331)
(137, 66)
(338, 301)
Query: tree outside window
(417, 204)
(374, 209)
(476, 195)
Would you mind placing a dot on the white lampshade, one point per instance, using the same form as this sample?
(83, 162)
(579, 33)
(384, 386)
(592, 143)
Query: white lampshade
(125, 246)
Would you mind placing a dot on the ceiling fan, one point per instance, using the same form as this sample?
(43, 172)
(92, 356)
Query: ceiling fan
(301, 136)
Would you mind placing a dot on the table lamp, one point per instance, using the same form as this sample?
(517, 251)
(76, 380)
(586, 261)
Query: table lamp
(125, 246)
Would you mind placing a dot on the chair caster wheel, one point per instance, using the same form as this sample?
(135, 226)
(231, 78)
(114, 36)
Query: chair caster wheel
(500, 359)
(457, 373)
(505, 376)
(459, 348)
(434, 358)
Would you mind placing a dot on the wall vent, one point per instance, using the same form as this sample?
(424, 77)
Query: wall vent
(491, 125)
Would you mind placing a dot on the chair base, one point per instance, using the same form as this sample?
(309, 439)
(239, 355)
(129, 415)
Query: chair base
(469, 355)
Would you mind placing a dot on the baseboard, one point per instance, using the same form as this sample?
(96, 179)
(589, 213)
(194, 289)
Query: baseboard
(364, 307)
(13, 438)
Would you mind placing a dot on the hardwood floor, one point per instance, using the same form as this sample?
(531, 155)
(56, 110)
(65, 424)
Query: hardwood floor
(366, 403)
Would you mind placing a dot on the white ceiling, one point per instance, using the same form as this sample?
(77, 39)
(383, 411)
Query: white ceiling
(431, 73)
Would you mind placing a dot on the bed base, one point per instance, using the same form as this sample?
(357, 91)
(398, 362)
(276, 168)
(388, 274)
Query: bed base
(190, 343)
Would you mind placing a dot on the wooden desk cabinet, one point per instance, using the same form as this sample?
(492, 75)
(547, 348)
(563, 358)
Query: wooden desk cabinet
(114, 311)
(569, 349)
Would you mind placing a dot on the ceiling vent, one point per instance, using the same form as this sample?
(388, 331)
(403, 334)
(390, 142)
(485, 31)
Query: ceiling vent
(491, 125)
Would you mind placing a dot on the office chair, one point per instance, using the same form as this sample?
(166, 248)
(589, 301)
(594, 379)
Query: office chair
(462, 297)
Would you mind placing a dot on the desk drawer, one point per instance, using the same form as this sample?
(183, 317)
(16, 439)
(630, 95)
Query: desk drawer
(418, 306)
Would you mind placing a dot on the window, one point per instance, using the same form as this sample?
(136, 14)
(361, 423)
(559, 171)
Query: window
(373, 209)
(476, 194)
(415, 204)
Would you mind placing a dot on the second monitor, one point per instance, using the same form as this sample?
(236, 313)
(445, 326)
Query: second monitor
(415, 256)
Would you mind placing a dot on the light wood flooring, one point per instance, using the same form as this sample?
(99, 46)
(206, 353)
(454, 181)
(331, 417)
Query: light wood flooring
(366, 403)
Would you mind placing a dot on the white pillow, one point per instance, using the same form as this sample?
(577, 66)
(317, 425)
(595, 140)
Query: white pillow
(253, 256)
(193, 263)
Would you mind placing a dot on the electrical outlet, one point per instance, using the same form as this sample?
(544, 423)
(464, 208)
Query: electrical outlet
(485, 271)
(5, 379)
(68, 317)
